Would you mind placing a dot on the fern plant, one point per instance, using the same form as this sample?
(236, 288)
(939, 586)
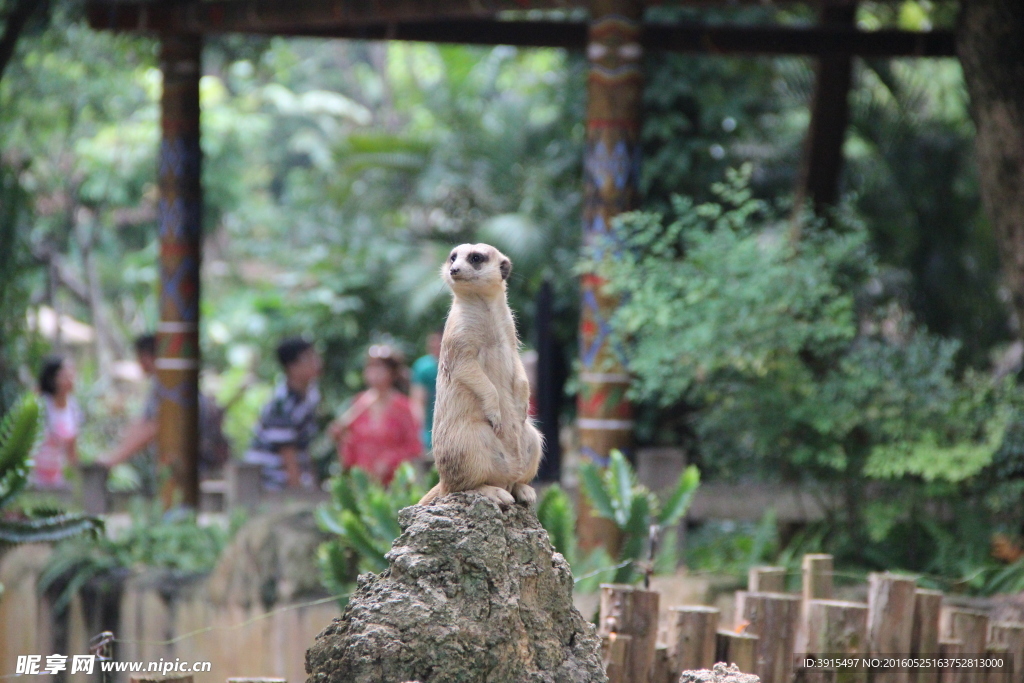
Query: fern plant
(615, 495)
(20, 432)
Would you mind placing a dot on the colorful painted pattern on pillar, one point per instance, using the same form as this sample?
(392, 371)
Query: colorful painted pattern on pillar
(611, 173)
(179, 220)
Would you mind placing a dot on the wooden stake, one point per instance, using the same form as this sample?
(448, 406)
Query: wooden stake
(773, 618)
(924, 638)
(632, 612)
(614, 648)
(891, 601)
(691, 637)
(951, 649)
(766, 580)
(997, 674)
(737, 648)
(835, 627)
(816, 574)
(662, 670)
(970, 627)
(1011, 636)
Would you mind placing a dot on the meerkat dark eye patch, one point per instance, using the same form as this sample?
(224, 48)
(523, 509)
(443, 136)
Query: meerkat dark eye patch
(477, 259)
(452, 257)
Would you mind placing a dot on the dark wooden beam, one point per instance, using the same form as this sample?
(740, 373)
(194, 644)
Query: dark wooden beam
(765, 40)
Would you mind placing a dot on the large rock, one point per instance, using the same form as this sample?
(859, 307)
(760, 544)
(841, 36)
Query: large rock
(721, 673)
(472, 594)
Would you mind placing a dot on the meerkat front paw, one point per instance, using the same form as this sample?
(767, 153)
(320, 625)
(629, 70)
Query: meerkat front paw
(494, 419)
(524, 493)
(497, 494)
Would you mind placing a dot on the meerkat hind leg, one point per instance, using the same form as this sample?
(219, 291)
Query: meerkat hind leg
(497, 494)
(524, 493)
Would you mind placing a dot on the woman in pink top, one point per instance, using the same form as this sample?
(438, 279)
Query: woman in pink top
(378, 431)
(63, 418)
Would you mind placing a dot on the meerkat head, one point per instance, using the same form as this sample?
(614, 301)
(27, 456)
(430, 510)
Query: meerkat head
(476, 268)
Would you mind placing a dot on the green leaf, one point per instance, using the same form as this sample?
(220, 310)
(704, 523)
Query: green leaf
(620, 482)
(20, 430)
(357, 535)
(682, 495)
(593, 486)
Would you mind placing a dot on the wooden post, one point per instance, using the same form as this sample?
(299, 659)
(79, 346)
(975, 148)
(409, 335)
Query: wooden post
(823, 148)
(179, 218)
(766, 580)
(835, 627)
(632, 612)
(816, 584)
(891, 601)
(661, 672)
(737, 648)
(924, 639)
(951, 649)
(1011, 636)
(611, 167)
(773, 618)
(996, 674)
(970, 627)
(614, 648)
(691, 637)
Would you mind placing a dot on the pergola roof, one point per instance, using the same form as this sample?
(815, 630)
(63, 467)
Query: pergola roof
(527, 23)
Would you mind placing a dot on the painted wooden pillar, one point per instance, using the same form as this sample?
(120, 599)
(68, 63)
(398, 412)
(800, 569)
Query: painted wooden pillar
(611, 168)
(179, 218)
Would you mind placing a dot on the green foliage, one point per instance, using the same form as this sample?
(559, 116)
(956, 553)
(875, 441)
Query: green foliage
(615, 495)
(20, 432)
(557, 515)
(364, 515)
(729, 547)
(799, 362)
(156, 539)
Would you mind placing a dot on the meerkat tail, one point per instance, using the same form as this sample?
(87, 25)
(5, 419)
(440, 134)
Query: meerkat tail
(433, 494)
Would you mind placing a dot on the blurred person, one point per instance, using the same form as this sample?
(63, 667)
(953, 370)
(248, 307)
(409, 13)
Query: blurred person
(424, 387)
(287, 424)
(139, 437)
(379, 431)
(62, 421)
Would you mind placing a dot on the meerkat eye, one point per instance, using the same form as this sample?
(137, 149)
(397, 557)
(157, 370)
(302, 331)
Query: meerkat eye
(453, 256)
(476, 258)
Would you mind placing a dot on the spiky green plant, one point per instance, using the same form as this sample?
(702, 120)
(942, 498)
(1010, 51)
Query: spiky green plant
(615, 494)
(364, 516)
(557, 514)
(20, 432)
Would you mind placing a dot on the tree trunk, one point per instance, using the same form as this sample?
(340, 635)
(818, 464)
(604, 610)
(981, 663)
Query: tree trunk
(990, 43)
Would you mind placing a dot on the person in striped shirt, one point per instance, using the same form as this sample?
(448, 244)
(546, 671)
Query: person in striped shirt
(287, 424)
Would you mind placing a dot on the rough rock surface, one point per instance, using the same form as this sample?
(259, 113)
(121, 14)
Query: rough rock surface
(719, 674)
(472, 594)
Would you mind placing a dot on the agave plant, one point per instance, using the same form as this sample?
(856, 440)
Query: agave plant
(20, 432)
(615, 494)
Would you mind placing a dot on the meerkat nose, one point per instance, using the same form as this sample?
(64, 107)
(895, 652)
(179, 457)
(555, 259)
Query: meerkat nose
(453, 271)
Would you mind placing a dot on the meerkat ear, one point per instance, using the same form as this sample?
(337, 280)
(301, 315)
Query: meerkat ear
(505, 268)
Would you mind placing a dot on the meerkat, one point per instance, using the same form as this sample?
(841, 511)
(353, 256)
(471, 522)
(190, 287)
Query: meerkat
(483, 437)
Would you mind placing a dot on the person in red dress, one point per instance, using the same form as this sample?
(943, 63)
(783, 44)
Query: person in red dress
(378, 432)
